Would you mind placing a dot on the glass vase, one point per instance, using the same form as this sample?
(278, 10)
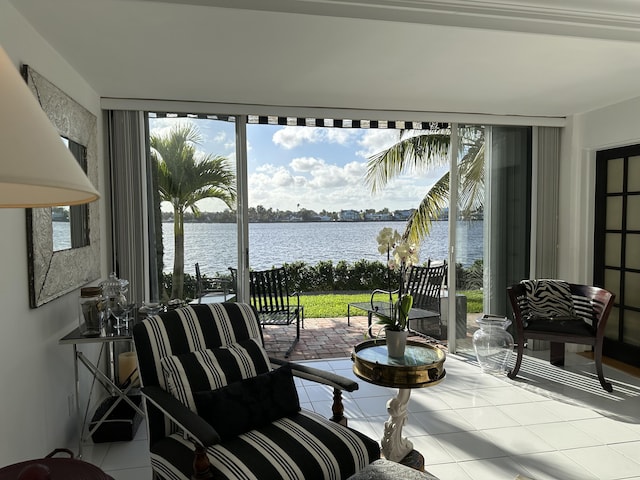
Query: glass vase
(493, 344)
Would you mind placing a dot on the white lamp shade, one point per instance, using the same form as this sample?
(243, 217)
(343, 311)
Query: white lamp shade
(36, 168)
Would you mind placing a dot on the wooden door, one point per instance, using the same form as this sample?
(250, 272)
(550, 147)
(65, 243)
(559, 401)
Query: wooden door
(617, 247)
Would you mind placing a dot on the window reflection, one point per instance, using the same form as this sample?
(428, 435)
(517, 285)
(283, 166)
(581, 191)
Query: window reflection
(71, 224)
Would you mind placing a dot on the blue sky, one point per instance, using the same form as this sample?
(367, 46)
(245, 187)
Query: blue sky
(308, 167)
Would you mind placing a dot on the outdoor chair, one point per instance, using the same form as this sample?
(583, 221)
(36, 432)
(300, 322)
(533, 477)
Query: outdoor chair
(218, 407)
(560, 312)
(424, 284)
(269, 290)
(210, 290)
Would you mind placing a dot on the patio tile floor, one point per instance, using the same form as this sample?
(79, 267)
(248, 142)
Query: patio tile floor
(320, 338)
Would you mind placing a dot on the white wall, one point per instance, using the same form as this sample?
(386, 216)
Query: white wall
(585, 134)
(36, 374)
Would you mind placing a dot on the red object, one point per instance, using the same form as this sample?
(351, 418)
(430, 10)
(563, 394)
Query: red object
(50, 468)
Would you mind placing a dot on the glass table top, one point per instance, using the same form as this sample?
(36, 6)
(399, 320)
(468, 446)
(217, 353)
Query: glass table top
(421, 366)
(415, 355)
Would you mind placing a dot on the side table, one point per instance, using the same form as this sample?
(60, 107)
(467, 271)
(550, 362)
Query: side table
(421, 366)
(108, 380)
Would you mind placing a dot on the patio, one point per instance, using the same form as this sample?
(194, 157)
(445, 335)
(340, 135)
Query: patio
(324, 338)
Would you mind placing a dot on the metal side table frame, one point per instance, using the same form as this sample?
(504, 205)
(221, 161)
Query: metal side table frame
(107, 381)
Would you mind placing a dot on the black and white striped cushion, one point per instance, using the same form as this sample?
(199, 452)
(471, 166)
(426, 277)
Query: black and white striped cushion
(547, 298)
(211, 369)
(301, 446)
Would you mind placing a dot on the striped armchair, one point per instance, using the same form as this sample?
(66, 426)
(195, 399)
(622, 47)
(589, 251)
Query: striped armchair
(219, 407)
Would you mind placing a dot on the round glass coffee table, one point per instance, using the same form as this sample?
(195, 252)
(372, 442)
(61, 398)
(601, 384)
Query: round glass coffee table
(422, 366)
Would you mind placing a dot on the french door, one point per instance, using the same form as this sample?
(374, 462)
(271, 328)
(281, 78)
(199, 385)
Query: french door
(617, 247)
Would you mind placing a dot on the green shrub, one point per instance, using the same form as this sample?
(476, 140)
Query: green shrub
(360, 276)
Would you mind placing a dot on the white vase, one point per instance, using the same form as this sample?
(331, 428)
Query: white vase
(396, 342)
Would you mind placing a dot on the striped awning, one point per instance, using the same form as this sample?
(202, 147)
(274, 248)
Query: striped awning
(314, 122)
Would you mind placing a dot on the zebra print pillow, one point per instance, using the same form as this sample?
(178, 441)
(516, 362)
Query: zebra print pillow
(549, 299)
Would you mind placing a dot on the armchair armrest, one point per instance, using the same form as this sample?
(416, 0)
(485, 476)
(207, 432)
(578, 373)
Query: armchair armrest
(320, 376)
(189, 421)
(297, 295)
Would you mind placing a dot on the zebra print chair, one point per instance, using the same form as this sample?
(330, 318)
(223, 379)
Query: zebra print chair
(217, 408)
(560, 313)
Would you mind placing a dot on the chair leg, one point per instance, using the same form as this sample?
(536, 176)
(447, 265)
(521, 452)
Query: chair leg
(556, 354)
(295, 340)
(201, 465)
(520, 351)
(338, 408)
(597, 356)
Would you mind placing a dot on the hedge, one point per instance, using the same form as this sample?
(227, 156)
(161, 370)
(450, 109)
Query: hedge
(361, 276)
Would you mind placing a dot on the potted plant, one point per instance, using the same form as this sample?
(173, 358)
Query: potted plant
(400, 256)
(395, 325)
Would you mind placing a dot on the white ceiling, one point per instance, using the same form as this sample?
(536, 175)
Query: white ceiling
(533, 57)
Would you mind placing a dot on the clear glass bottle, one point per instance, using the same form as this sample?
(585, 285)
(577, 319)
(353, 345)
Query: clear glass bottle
(113, 290)
(493, 344)
(91, 311)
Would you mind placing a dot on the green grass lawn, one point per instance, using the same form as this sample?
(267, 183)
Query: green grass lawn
(335, 305)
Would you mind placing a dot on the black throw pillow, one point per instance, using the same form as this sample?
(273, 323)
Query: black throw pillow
(250, 403)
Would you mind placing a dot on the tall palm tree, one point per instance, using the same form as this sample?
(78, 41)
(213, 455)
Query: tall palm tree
(185, 178)
(419, 151)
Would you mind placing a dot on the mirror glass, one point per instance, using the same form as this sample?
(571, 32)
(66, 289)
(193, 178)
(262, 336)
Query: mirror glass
(70, 225)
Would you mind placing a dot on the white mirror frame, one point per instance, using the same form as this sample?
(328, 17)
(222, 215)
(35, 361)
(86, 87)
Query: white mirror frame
(53, 274)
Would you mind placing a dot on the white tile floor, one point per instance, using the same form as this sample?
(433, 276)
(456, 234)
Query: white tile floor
(549, 424)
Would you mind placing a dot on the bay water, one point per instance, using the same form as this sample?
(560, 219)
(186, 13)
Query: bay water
(214, 246)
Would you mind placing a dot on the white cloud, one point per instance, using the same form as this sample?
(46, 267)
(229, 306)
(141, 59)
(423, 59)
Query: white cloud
(162, 126)
(291, 137)
(355, 169)
(375, 141)
(307, 164)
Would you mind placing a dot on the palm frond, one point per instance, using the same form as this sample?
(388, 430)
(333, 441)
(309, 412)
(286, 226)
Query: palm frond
(415, 153)
(435, 200)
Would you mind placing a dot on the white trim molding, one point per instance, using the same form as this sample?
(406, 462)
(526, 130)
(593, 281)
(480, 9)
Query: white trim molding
(610, 19)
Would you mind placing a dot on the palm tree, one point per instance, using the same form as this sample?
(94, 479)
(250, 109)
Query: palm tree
(419, 151)
(184, 178)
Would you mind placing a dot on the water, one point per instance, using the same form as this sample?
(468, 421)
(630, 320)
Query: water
(213, 245)
(61, 235)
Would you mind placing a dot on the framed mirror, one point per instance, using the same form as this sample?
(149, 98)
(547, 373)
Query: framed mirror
(54, 272)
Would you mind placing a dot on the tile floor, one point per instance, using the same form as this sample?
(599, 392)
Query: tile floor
(548, 424)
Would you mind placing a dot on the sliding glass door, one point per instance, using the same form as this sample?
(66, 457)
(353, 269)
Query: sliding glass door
(485, 234)
(194, 182)
(491, 209)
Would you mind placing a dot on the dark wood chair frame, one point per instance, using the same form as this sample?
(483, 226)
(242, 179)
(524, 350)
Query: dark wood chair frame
(424, 283)
(593, 304)
(270, 296)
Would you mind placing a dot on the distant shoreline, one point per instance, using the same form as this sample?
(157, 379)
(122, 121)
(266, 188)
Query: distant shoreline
(312, 221)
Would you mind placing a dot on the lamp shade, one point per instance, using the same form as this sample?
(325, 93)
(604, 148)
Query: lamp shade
(36, 168)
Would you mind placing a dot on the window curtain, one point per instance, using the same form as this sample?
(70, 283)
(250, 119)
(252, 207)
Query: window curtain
(130, 222)
(547, 144)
